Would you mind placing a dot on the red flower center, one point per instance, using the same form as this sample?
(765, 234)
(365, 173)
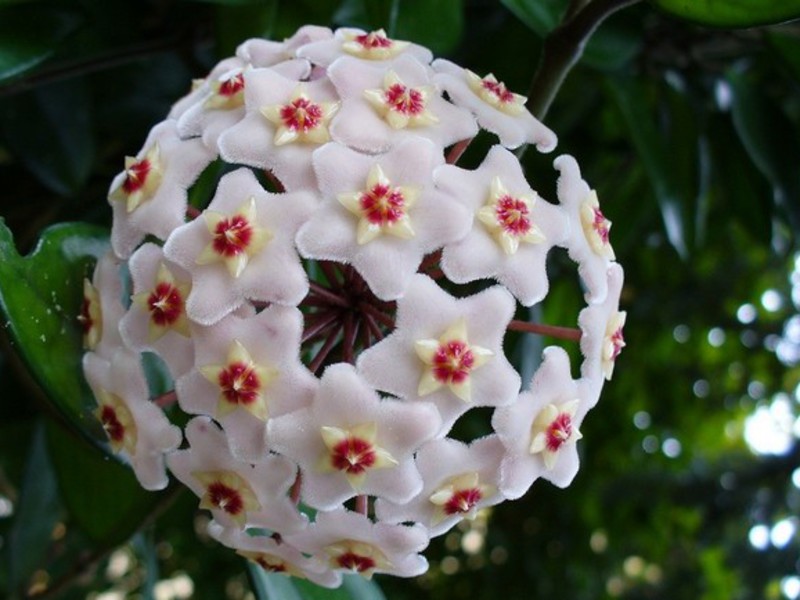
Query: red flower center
(136, 176)
(382, 205)
(239, 383)
(452, 362)
(301, 114)
(231, 86)
(618, 342)
(353, 455)
(85, 318)
(165, 304)
(373, 40)
(225, 498)
(512, 215)
(405, 100)
(355, 562)
(601, 225)
(462, 501)
(559, 431)
(499, 90)
(232, 236)
(111, 424)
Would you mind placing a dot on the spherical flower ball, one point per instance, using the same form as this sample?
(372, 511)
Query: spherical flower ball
(329, 293)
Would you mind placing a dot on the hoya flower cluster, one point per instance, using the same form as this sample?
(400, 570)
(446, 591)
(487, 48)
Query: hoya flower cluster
(329, 295)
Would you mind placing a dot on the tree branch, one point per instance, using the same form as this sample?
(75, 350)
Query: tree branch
(564, 47)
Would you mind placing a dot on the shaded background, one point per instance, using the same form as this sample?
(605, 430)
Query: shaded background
(689, 485)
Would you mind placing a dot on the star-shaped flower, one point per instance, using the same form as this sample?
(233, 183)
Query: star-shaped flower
(497, 109)
(381, 207)
(373, 46)
(101, 307)
(300, 119)
(135, 426)
(238, 494)
(149, 196)
(352, 543)
(601, 325)
(156, 320)
(459, 480)
(350, 442)
(280, 111)
(540, 429)
(446, 350)
(262, 53)
(230, 256)
(248, 370)
(381, 106)
(275, 557)
(588, 244)
(514, 229)
(367, 197)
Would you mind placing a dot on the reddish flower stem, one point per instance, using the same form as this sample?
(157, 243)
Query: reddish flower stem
(316, 326)
(435, 273)
(165, 400)
(328, 295)
(362, 504)
(376, 314)
(193, 212)
(348, 338)
(564, 333)
(372, 326)
(330, 341)
(364, 332)
(431, 260)
(329, 271)
(457, 150)
(274, 181)
(294, 492)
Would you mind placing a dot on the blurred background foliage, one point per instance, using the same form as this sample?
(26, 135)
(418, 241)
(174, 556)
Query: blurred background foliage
(685, 117)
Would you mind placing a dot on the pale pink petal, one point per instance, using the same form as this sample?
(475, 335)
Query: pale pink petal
(326, 51)
(107, 279)
(274, 274)
(359, 126)
(345, 401)
(272, 338)
(269, 479)
(513, 130)
(426, 312)
(479, 255)
(155, 436)
(182, 162)
(438, 462)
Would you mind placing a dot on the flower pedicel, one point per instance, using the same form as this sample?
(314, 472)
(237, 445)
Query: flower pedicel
(340, 301)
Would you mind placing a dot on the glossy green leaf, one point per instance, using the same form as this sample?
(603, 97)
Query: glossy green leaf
(29, 35)
(117, 504)
(614, 44)
(770, 139)
(37, 512)
(238, 21)
(40, 298)
(656, 156)
(49, 131)
(787, 48)
(732, 13)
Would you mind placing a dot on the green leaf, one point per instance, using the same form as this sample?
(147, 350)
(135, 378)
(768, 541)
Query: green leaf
(732, 13)
(36, 514)
(787, 48)
(541, 17)
(770, 139)
(48, 130)
(238, 21)
(29, 35)
(40, 298)
(614, 44)
(102, 496)
(654, 152)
